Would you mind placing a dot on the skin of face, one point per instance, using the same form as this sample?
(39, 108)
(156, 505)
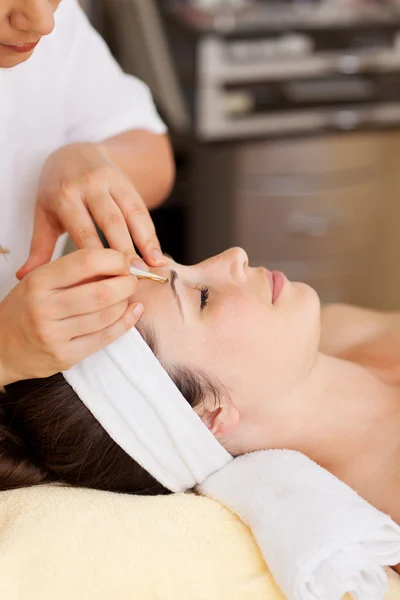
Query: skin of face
(261, 352)
(23, 22)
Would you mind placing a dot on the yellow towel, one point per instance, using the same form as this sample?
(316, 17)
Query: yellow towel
(60, 543)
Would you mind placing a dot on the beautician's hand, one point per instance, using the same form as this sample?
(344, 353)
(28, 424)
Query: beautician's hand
(63, 312)
(79, 181)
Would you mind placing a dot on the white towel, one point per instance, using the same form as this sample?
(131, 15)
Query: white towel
(319, 538)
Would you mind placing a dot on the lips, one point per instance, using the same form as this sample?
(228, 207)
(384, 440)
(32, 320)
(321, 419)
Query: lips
(278, 284)
(21, 48)
(276, 281)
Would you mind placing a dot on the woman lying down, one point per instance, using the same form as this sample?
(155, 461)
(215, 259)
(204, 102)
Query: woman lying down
(257, 360)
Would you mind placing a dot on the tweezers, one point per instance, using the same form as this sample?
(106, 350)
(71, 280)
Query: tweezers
(148, 275)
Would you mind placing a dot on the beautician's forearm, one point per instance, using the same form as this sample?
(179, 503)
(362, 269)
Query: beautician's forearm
(147, 159)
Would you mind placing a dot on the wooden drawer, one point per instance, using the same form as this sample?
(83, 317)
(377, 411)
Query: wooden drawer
(308, 198)
(320, 155)
(308, 226)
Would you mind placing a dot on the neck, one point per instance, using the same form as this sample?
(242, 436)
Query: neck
(351, 422)
(345, 418)
(350, 413)
(342, 417)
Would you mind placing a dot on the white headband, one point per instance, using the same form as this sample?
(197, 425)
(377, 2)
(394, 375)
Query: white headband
(130, 394)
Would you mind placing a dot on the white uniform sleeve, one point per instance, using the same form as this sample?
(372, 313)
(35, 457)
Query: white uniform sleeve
(101, 100)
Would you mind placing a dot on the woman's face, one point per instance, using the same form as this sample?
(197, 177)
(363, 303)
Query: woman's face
(22, 24)
(222, 317)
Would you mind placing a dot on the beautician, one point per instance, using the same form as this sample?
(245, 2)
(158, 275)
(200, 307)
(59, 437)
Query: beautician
(78, 139)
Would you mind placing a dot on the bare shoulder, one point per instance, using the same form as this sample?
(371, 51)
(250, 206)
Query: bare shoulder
(367, 337)
(345, 327)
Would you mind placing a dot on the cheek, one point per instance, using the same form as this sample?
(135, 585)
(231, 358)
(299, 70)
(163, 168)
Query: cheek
(155, 300)
(275, 345)
(234, 330)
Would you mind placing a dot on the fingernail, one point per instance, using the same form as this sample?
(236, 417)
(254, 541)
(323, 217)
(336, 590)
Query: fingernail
(138, 310)
(139, 264)
(157, 256)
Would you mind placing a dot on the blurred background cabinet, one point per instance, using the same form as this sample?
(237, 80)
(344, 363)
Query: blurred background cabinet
(94, 9)
(319, 209)
(285, 119)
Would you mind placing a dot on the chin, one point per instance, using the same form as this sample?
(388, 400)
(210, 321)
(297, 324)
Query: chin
(307, 294)
(309, 303)
(11, 61)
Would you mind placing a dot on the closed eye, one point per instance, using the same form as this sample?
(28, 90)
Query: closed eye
(204, 296)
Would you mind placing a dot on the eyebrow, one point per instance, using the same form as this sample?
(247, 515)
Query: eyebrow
(172, 280)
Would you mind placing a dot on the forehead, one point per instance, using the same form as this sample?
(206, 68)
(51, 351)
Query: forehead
(153, 293)
(158, 300)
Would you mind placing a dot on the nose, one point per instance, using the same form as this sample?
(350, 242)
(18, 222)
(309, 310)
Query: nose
(34, 16)
(230, 264)
(237, 259)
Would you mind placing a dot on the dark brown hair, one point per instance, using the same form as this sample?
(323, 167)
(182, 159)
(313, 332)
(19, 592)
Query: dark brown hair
(48, 435)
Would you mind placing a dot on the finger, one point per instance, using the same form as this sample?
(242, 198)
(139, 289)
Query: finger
(89, 344)
(139, 223)
(92, 297)
(83, 265)
(76, 219)
(46, 232)
(111, 221)
(87, 324)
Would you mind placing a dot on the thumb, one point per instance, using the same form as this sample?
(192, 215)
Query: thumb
(46, 232)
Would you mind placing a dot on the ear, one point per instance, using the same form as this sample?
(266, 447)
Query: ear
(222, 421)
